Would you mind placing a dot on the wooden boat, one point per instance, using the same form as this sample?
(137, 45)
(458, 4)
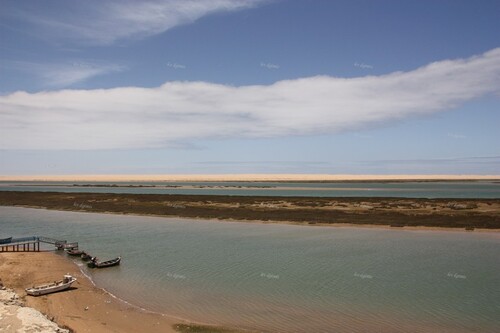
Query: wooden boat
(85, 256)
(5, 240)
(101, 264)
(74, 252)
(59, 245)
(53, 287)
(71, 246)
(67, 246)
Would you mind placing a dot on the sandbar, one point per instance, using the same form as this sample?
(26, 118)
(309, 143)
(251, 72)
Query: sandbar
(467, 214)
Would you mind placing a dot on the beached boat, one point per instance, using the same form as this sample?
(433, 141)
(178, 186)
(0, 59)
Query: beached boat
(101, 264)
(85, 256)
(53, 287)
(5, 240)
(67, 246)
(74, 252)
(71, 246)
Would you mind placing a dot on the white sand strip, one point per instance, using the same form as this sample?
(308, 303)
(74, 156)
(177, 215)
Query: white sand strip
(247, 177)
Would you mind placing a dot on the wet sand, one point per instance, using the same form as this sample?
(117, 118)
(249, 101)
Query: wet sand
(83, 308)
(386, 212)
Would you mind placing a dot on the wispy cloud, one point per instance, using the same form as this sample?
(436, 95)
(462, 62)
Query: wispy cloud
(449, 160)
(269, 65)
(132, 117)
(112, 20)
(362, 65)
(175, 65)
(251, 163)
(60, 75)
(457, 165)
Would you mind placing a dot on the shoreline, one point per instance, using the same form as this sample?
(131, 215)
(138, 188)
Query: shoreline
(85, 307)
(394, 213)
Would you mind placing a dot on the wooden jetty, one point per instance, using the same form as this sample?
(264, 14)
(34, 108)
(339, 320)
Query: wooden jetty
(29, 244)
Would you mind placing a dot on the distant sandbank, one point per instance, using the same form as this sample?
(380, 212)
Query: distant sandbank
(249, 177)
(395, 212)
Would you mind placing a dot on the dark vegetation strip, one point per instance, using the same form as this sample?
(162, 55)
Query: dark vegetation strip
(304, 210)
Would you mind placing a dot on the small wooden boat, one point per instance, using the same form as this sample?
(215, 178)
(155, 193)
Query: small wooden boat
(5, 240)
(71, 246)
(59, 245)
(53, 287)
(85, 256)
(95, 263)
(74, 252)
(68, 246)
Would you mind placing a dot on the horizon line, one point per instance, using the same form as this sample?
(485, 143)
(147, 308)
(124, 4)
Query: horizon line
(247, 177)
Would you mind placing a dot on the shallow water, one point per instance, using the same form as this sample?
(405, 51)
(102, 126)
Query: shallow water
(474, 189)
(285, 278)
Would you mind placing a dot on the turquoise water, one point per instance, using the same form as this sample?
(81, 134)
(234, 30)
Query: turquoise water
(285, 278)
(475, 189)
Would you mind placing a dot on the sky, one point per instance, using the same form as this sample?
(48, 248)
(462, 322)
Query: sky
(239, 86)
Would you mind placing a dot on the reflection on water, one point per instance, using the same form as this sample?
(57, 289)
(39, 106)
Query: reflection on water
(284, 278)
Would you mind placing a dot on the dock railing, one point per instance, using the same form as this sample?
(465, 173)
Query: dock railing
(31, 244)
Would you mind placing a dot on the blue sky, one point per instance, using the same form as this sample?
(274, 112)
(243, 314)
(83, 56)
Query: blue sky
(156, 87)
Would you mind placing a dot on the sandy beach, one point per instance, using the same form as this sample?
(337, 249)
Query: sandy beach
(84, 308)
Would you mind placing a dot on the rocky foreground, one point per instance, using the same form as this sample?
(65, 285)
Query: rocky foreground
(15, 317)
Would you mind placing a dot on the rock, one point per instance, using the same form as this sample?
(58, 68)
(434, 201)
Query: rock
(33, 321)
(9, 297)
(23, 319)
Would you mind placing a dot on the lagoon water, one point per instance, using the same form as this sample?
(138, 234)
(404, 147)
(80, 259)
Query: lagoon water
(448, 189)
(285, 278)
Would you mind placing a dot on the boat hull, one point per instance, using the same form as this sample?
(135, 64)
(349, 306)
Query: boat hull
(50, 288)
(6, 240)
(103, 264)
(74, 252)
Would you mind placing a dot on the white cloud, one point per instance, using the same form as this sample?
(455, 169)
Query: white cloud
(65, 74)
(110, 20)
(133, 117)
